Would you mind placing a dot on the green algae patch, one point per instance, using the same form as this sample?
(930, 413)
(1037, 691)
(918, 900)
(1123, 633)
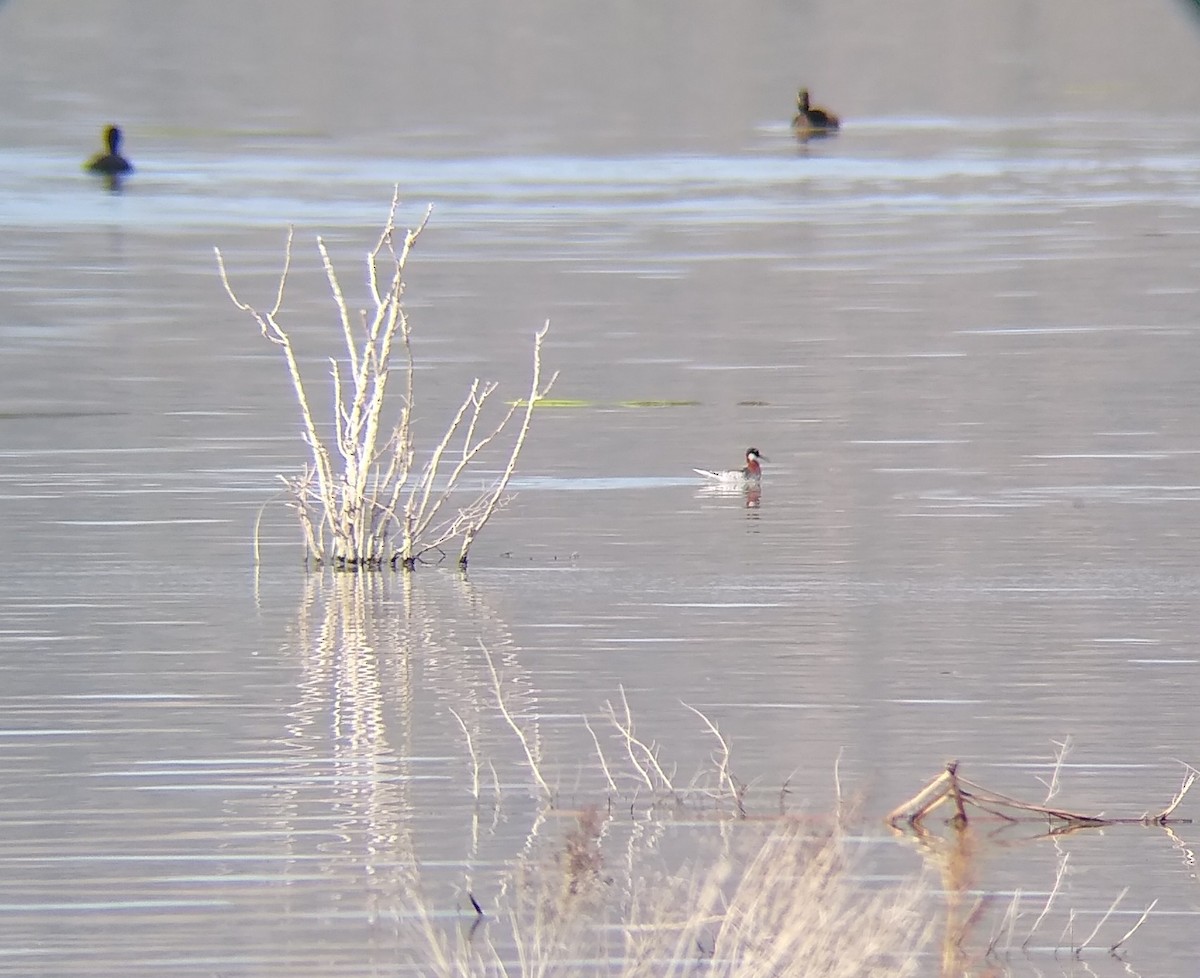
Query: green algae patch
(555, 402)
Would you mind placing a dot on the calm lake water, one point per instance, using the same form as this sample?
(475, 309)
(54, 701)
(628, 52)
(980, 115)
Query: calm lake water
(965, 331)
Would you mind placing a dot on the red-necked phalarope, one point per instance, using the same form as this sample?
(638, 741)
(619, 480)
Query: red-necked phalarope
(732, 477)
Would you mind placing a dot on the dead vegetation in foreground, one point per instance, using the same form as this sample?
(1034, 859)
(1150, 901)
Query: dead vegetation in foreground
(951, 788)
(659, 875)
(978, 810)
(762, 900)
(770, 895)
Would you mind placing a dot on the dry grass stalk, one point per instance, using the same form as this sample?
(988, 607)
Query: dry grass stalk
(776, 901)
(471, 751)
(643, 756)
(793, 907)
(612, 785)
(1061, 750)
(737, 790)
(1058, 881)
(1189, 779)
(531, 759)
(1132, 930)
(363, 501)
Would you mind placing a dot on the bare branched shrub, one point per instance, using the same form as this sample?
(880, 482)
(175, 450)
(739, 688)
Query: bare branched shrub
(367, 498)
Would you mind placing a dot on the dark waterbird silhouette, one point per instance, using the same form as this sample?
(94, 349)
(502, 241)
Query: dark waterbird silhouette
(811, 120)
(111, 165)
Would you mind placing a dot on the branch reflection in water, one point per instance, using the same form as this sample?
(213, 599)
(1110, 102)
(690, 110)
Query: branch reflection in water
(396, 708)
(444, 842)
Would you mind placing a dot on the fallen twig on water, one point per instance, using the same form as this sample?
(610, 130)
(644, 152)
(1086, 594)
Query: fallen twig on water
(949, 786)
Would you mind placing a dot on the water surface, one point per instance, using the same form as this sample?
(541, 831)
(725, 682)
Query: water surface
(963, 331)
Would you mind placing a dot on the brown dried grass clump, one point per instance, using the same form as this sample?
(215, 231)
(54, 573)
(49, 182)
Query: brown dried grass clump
(794, 904)
(763, 899)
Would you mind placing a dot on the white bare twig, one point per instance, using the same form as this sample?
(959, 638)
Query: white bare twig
(649, 752)
(471, 751)
(724, 775)
(508, 717)
(1189, 778)
(1062, 749)
(1108, 913)
(1058, 879)
(1129, 933)
(1006, 925)
(612, 785)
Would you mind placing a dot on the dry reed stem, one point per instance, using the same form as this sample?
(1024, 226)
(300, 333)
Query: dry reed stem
(637, 766)
(950, 786)
(471, 751)
(612, 785)
(512, 723)
(1132, 930)
(736, 791)
(1108, 913)
(1007, 925)
(1058, 879)
(1061, 750)
(1189, 779)
(922, 803)
(791, 909)
(649, 751)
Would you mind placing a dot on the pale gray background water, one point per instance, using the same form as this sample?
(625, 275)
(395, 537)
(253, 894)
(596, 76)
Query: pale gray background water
(964, 331)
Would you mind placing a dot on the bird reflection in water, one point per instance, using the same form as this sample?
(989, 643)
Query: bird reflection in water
(750, 493)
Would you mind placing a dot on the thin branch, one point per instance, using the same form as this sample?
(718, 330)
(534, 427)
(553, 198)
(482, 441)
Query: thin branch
(339, 299)
(1129, 933)
(1189, 779)
(471, 751)
(504, 711)
(629, 740)
(536, 392)
(723, 773)
(1062, 749)
(1108, 913)
(612, 785)
(1058, 878)
(650, 752)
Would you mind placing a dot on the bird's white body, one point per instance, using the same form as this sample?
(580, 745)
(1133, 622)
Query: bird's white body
(751, 474)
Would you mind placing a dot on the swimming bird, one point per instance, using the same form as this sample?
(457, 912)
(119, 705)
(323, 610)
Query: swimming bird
(733, 477)
(112, 163)
(812, 121)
